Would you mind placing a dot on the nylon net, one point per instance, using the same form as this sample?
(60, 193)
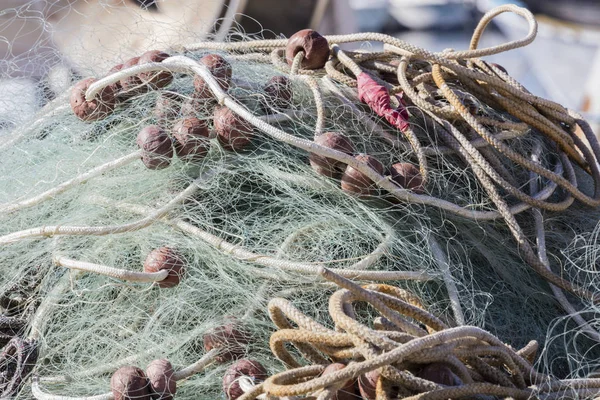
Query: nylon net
(415, 224)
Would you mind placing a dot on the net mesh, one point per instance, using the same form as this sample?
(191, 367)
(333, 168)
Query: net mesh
(260, 222)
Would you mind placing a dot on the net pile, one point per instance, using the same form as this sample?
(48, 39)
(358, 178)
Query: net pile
(149, 215)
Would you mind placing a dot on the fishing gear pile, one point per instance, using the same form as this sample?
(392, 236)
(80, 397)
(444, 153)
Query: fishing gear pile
(148, 215)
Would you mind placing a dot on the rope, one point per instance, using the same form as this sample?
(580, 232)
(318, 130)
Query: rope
(354, 271)
(182, 374)
(481, 363)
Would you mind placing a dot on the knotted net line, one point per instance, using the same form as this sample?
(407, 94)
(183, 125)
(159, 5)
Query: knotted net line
(448, 157)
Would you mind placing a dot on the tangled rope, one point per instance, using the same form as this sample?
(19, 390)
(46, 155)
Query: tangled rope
(408, 353)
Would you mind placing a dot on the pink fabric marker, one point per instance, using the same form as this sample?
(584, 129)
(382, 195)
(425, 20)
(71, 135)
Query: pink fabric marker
(378, 99)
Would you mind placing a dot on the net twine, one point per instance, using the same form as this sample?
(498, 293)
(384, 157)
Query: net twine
(441, 86)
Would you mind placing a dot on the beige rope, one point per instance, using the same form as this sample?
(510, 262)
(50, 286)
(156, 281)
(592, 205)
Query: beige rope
(484, 364)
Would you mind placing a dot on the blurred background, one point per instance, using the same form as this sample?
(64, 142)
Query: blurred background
(46, 44)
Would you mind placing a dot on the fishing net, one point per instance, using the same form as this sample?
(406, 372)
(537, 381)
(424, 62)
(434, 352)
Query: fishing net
(152, 212)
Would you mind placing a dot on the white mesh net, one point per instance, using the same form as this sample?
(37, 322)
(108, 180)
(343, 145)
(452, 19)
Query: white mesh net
(496, 197)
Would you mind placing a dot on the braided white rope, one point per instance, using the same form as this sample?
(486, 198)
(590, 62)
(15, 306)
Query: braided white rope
(50, 231)
(131, 276)
(408, 48)
(185, 64)
(8, 208)
(183, 373)
(353, 272)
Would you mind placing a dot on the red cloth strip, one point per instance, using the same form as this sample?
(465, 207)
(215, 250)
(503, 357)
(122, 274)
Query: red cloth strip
(378, 99)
